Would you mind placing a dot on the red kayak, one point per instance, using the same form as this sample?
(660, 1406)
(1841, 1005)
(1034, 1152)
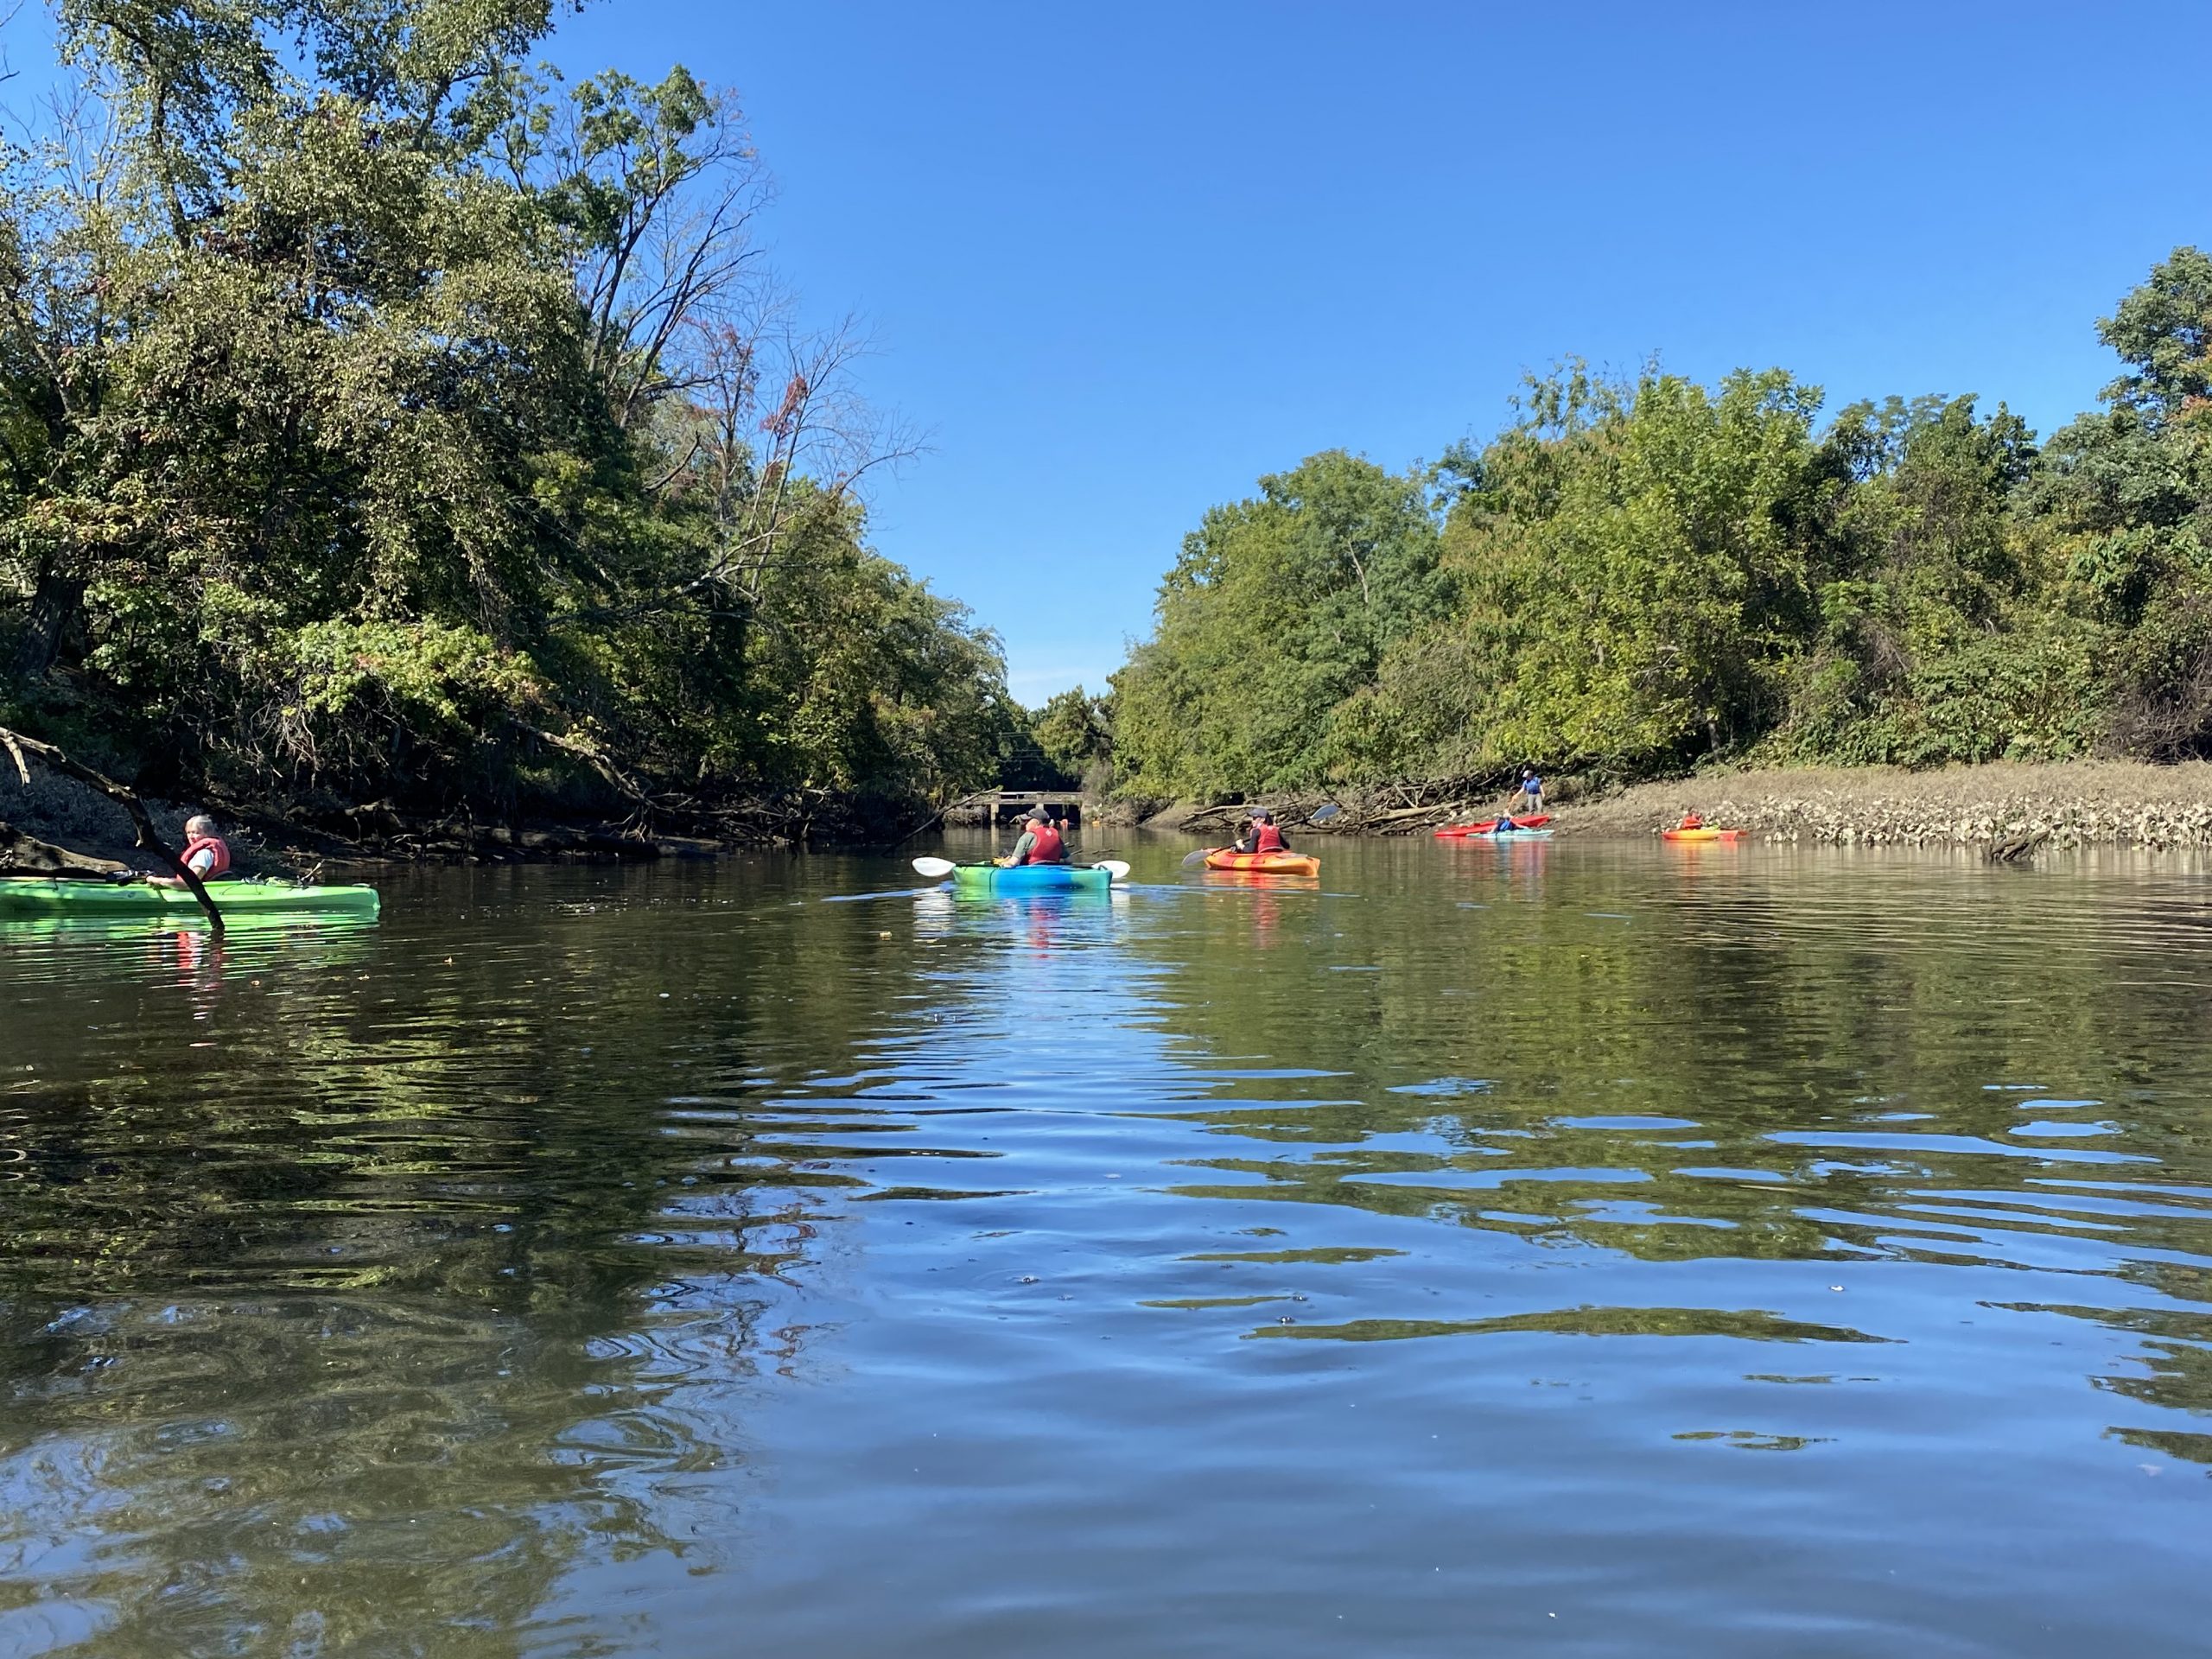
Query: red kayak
(1489, 826)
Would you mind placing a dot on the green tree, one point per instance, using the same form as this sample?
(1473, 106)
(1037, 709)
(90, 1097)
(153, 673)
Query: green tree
(1941, 635)
(2129, 491)
(1633, 563)
(1075, 730)
(1637, 577)
(380, 419)
(1272, 622)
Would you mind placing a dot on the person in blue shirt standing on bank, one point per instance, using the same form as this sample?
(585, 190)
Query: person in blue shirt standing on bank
(1531, 792)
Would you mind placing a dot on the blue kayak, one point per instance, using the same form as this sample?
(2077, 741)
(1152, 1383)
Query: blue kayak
(1030, 877)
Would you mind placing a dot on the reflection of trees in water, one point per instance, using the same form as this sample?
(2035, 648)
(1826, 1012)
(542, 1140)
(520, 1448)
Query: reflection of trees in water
(298, 1466)
(378, 1314)
(1724, 1074)
(2172, 1366)
(1751, 1325)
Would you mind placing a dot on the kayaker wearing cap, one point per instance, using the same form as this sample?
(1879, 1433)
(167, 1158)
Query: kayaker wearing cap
(1263, 837)
(204, 855)
(1040, 843)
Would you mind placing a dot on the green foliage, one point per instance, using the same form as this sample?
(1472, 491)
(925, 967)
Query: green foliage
(1277, 616)
(2129, 490)
(1075, 730)
(1631, 561)
(378, 419)
(1636, 576)
(1937, 639)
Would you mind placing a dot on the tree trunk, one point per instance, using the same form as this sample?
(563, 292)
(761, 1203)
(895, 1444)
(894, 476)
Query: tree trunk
(55, 604)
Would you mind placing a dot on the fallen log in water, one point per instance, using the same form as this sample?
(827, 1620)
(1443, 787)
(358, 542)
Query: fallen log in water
(2012, 848)
(23, 855)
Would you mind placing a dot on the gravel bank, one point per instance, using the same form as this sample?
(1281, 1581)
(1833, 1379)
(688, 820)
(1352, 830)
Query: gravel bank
(2074, 803)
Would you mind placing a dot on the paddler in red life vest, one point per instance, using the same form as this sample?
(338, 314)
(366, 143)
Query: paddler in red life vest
(1262, 836)
(1040, 843)
(205, 854)
(1690, 821)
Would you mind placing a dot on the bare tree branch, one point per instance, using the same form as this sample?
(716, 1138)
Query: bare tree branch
(150, 838)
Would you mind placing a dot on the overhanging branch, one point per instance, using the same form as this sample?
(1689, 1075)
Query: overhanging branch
(150, 838)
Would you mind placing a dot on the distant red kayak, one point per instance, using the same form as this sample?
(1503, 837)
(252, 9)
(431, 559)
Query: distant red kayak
(1489, 826)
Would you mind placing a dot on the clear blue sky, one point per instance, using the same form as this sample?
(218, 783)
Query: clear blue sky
(1124, 258)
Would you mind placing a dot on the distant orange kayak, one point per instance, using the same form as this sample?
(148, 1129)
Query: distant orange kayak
(1701, 834)
(1265, 863)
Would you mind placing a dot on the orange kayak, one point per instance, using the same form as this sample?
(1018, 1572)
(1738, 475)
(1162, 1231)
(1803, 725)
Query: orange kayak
(1265, 863)
(1701, 834)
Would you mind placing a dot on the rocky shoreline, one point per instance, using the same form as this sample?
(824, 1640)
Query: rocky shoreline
(2003, 805)
(2062, 805)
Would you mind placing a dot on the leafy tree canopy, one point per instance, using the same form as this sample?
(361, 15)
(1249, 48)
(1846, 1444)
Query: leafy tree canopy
(382, 417)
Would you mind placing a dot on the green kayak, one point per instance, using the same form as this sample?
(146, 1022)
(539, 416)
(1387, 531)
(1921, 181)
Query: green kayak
(31, 896)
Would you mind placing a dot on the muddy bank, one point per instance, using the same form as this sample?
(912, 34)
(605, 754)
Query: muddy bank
(56, 813)
(2070, 803)
(52, 815)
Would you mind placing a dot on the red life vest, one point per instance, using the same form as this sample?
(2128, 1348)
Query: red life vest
(1045, 846)
(208, 844)
(1266, 838)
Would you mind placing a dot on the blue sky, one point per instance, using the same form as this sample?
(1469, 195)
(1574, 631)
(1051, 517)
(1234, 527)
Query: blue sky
(1121, 260)
(1124, 259)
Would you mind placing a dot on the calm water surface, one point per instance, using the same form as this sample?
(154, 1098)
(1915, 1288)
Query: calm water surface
(1568, 1249)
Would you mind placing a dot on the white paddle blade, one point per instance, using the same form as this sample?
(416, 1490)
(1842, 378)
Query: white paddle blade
(936, 868)
(1115, 869)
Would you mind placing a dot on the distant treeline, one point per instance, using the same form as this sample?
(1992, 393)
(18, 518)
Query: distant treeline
(384, 421)
(1639, 575)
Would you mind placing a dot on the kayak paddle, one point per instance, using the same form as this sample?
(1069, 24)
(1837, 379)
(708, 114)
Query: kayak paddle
(1323, 813)
(1115, 869)
(1191, 860)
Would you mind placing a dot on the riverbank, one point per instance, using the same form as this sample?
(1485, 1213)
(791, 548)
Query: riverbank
(97, 834)
(2060, 803)
(2071, 804)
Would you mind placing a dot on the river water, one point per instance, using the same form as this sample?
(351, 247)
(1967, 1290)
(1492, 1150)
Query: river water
(1598, 1249)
